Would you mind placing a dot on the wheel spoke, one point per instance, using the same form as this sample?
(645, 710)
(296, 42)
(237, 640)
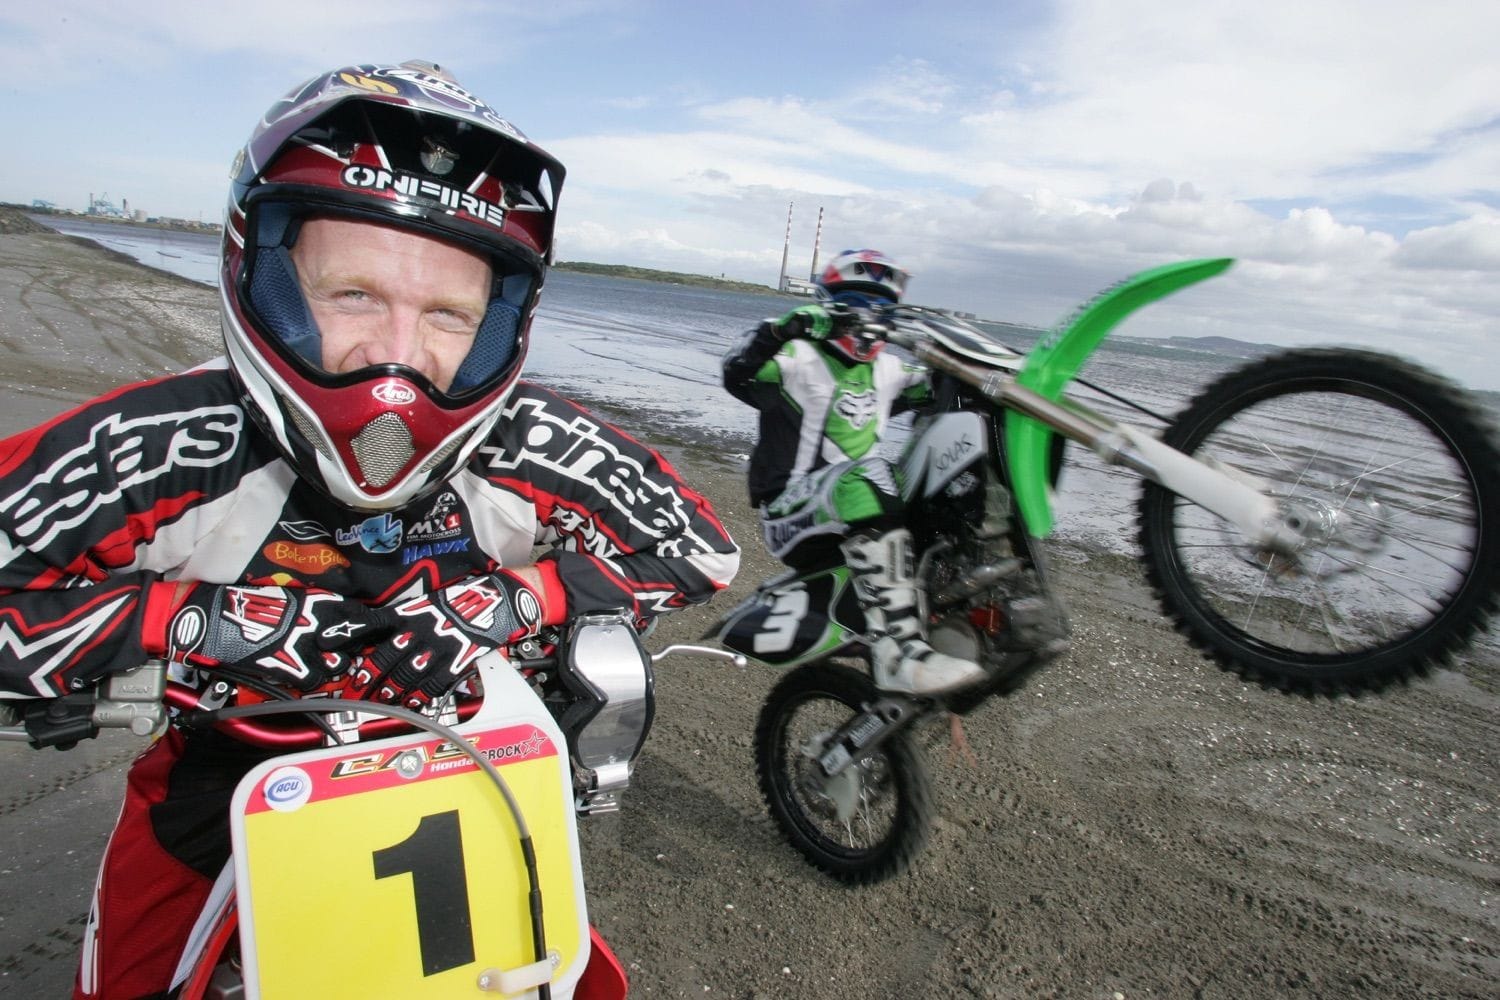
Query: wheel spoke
(1384, 470)
(884, 797)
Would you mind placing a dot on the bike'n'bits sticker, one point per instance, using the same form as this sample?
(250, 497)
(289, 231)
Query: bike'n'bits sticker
(287, 789)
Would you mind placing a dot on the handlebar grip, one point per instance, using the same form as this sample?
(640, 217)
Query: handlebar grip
(899, 336)
(61, 722)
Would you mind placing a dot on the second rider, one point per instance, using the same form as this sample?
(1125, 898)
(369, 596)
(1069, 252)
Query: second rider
(826, 393)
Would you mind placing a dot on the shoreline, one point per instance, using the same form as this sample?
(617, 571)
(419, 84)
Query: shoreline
(213, 229)
(1133, 823)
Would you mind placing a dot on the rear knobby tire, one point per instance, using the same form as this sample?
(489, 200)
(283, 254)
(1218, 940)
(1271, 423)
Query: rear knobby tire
(1394, 474)
(891, 823)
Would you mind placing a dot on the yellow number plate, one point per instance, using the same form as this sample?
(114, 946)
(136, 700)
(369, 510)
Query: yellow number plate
(393, 869)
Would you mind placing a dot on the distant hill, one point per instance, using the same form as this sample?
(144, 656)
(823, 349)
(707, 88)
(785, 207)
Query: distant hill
(1222, 346)
(1026, 337)
(668, 277)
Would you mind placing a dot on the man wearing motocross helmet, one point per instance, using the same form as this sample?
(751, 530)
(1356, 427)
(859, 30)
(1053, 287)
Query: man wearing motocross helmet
(825, 392)
(351, 498)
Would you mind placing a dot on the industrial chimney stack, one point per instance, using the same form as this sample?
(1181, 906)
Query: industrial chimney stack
(785, 246)
(812, 275)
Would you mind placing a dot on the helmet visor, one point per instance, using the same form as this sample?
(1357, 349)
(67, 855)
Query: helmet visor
(883, 274)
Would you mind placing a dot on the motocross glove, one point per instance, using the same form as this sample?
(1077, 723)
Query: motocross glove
(293, 638)
(436, 637)
(809, 322)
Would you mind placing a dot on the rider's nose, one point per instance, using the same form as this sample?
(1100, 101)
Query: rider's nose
(401, 342)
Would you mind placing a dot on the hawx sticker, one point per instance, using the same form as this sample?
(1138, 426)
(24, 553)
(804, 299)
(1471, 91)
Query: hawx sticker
(416, 553)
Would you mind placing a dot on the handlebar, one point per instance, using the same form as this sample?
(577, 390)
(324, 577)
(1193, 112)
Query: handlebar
(917, 327)
(139, 700)
(133, 700)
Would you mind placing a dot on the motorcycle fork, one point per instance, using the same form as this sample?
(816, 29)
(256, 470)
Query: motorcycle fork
(872, 725)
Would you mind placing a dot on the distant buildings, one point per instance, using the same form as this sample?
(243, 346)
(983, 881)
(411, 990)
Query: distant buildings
(104, 208)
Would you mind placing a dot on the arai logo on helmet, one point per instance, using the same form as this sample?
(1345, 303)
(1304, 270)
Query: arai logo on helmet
(394, 394)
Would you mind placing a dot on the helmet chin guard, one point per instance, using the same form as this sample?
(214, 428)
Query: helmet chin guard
(857, 347)
(373, 454)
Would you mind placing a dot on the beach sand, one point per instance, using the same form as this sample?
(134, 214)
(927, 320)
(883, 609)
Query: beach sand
(1134, 823)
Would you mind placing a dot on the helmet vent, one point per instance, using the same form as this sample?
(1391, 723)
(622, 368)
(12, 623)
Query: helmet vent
(441, 455)
(306, 428)
(383, 447)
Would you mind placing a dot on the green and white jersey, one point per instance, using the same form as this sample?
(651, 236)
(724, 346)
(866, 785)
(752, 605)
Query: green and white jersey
(816, 407)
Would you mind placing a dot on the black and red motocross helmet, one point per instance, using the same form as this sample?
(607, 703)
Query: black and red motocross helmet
(407, 147)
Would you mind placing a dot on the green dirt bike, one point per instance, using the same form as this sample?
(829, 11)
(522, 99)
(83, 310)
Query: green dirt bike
(1320, 521)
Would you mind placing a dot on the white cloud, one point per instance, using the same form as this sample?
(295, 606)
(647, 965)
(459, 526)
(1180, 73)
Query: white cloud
(1469, 244)
(1264, 101)
(1347, 152)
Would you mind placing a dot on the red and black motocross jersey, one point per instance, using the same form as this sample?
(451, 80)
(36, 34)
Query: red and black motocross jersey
(172, 479)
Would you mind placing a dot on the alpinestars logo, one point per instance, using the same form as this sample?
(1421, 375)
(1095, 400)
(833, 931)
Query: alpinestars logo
(476, 605)
(573, 447)
(53, 648)
(258, 613)
(120, 454)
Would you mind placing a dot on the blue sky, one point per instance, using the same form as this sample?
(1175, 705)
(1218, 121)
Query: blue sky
(1016, 156)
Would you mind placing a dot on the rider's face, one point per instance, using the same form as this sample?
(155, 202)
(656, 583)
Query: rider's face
(387, 296)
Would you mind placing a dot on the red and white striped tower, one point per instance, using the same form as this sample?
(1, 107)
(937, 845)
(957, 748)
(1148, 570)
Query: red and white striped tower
(786, 245)
(812, 275)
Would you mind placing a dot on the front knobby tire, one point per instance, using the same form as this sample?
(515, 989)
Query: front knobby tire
(890, 786)
(1391, 475)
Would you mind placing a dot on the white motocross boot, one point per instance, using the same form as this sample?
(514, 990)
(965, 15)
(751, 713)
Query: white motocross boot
(901, 658)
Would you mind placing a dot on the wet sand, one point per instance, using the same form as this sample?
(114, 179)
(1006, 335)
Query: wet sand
(1135, 823)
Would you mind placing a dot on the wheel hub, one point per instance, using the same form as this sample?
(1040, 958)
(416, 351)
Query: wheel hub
(1338, 530)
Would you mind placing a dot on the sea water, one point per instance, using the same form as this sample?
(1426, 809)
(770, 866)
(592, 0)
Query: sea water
(652, 350)
(187, 254)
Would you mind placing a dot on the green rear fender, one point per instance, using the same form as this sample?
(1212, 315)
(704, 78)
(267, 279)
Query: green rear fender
(1060, 356)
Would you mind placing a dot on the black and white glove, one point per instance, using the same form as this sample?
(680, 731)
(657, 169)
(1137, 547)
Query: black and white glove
(435, 638)
(294, 638)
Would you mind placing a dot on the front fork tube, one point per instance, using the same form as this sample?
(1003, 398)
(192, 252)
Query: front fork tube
(872, 725)
(1233, 495)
